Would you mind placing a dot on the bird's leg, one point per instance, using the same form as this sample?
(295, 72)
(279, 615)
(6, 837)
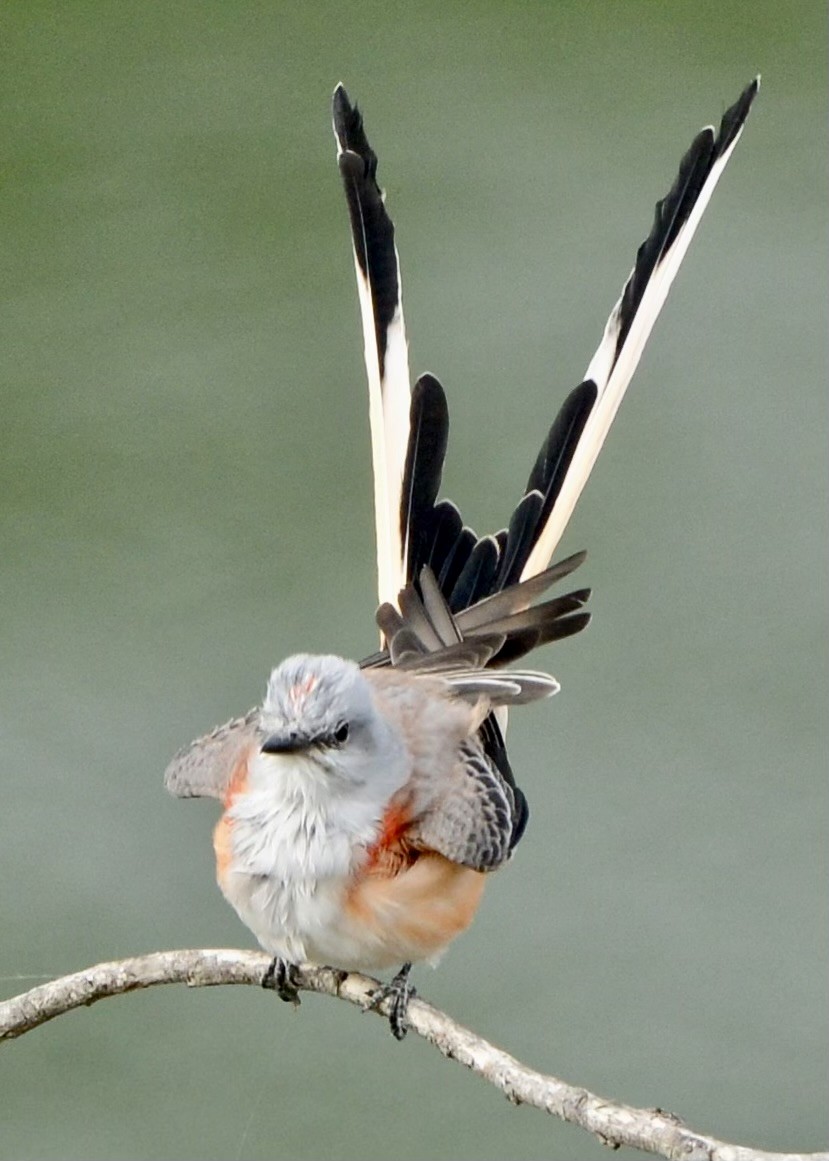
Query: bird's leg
(399, 991)
(281, 977)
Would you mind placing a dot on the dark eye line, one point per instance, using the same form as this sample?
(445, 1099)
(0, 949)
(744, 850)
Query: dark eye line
(337, 737)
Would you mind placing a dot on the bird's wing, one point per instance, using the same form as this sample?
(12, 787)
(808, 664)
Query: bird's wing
(568, 455)
(460, 798)
(204, 768)
(480, 814)
(386, 354)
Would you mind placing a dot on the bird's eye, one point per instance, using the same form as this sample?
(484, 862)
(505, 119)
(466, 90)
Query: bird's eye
(341, 733)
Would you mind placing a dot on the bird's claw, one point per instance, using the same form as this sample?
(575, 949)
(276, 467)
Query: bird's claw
(399, 992)
(282, 977)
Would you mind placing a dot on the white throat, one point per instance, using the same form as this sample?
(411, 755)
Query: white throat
(298, 820)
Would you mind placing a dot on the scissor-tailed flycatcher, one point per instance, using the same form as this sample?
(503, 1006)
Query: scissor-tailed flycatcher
(364, 804)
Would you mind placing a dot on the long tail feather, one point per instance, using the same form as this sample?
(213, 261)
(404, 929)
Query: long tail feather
(384, 333)
(657, 262)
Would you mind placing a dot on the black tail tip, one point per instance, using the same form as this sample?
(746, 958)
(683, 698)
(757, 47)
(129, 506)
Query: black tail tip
(341, 106)
(735, 117)
(746, 97)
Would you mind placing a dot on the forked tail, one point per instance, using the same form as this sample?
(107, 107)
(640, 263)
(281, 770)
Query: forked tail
(431, 564)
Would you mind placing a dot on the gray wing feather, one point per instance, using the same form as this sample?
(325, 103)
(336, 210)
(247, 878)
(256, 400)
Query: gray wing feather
(509, 687)
(473, 822)
(203, 769)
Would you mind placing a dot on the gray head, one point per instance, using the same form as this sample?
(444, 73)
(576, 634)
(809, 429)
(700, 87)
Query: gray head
(321, 706)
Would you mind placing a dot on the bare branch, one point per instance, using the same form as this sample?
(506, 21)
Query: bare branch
(615, 1124)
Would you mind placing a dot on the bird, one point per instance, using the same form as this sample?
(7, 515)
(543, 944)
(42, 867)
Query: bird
(364, 804)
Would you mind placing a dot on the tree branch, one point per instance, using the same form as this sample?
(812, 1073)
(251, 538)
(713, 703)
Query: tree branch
(615, 1124)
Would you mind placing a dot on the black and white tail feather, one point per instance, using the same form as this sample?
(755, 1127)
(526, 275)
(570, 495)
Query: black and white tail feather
(452, 602)
(440, 585)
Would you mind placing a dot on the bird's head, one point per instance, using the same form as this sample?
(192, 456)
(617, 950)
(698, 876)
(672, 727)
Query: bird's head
(321, 707)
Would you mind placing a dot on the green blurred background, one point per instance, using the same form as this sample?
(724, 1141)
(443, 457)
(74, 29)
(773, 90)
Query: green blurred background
(186, 500)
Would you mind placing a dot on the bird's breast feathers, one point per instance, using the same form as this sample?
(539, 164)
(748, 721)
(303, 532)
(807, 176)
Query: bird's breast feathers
(311, 889)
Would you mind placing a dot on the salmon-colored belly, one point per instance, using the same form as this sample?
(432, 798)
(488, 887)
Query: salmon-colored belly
(402, 906)
(415, 914)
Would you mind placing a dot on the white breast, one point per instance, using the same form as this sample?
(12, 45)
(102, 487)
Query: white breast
(295, 846)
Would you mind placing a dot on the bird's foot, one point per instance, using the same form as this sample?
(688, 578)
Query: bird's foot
(399, 992)
(282, 978)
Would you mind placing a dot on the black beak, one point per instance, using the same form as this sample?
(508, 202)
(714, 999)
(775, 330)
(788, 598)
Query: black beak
(284, 743)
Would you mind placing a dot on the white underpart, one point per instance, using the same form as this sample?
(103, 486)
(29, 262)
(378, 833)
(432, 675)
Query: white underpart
(300, 832)
(612, 380)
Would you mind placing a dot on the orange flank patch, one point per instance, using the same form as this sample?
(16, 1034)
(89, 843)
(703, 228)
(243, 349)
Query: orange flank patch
(390, 853)
(414, 913)
(410, 903)
(221, 835)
